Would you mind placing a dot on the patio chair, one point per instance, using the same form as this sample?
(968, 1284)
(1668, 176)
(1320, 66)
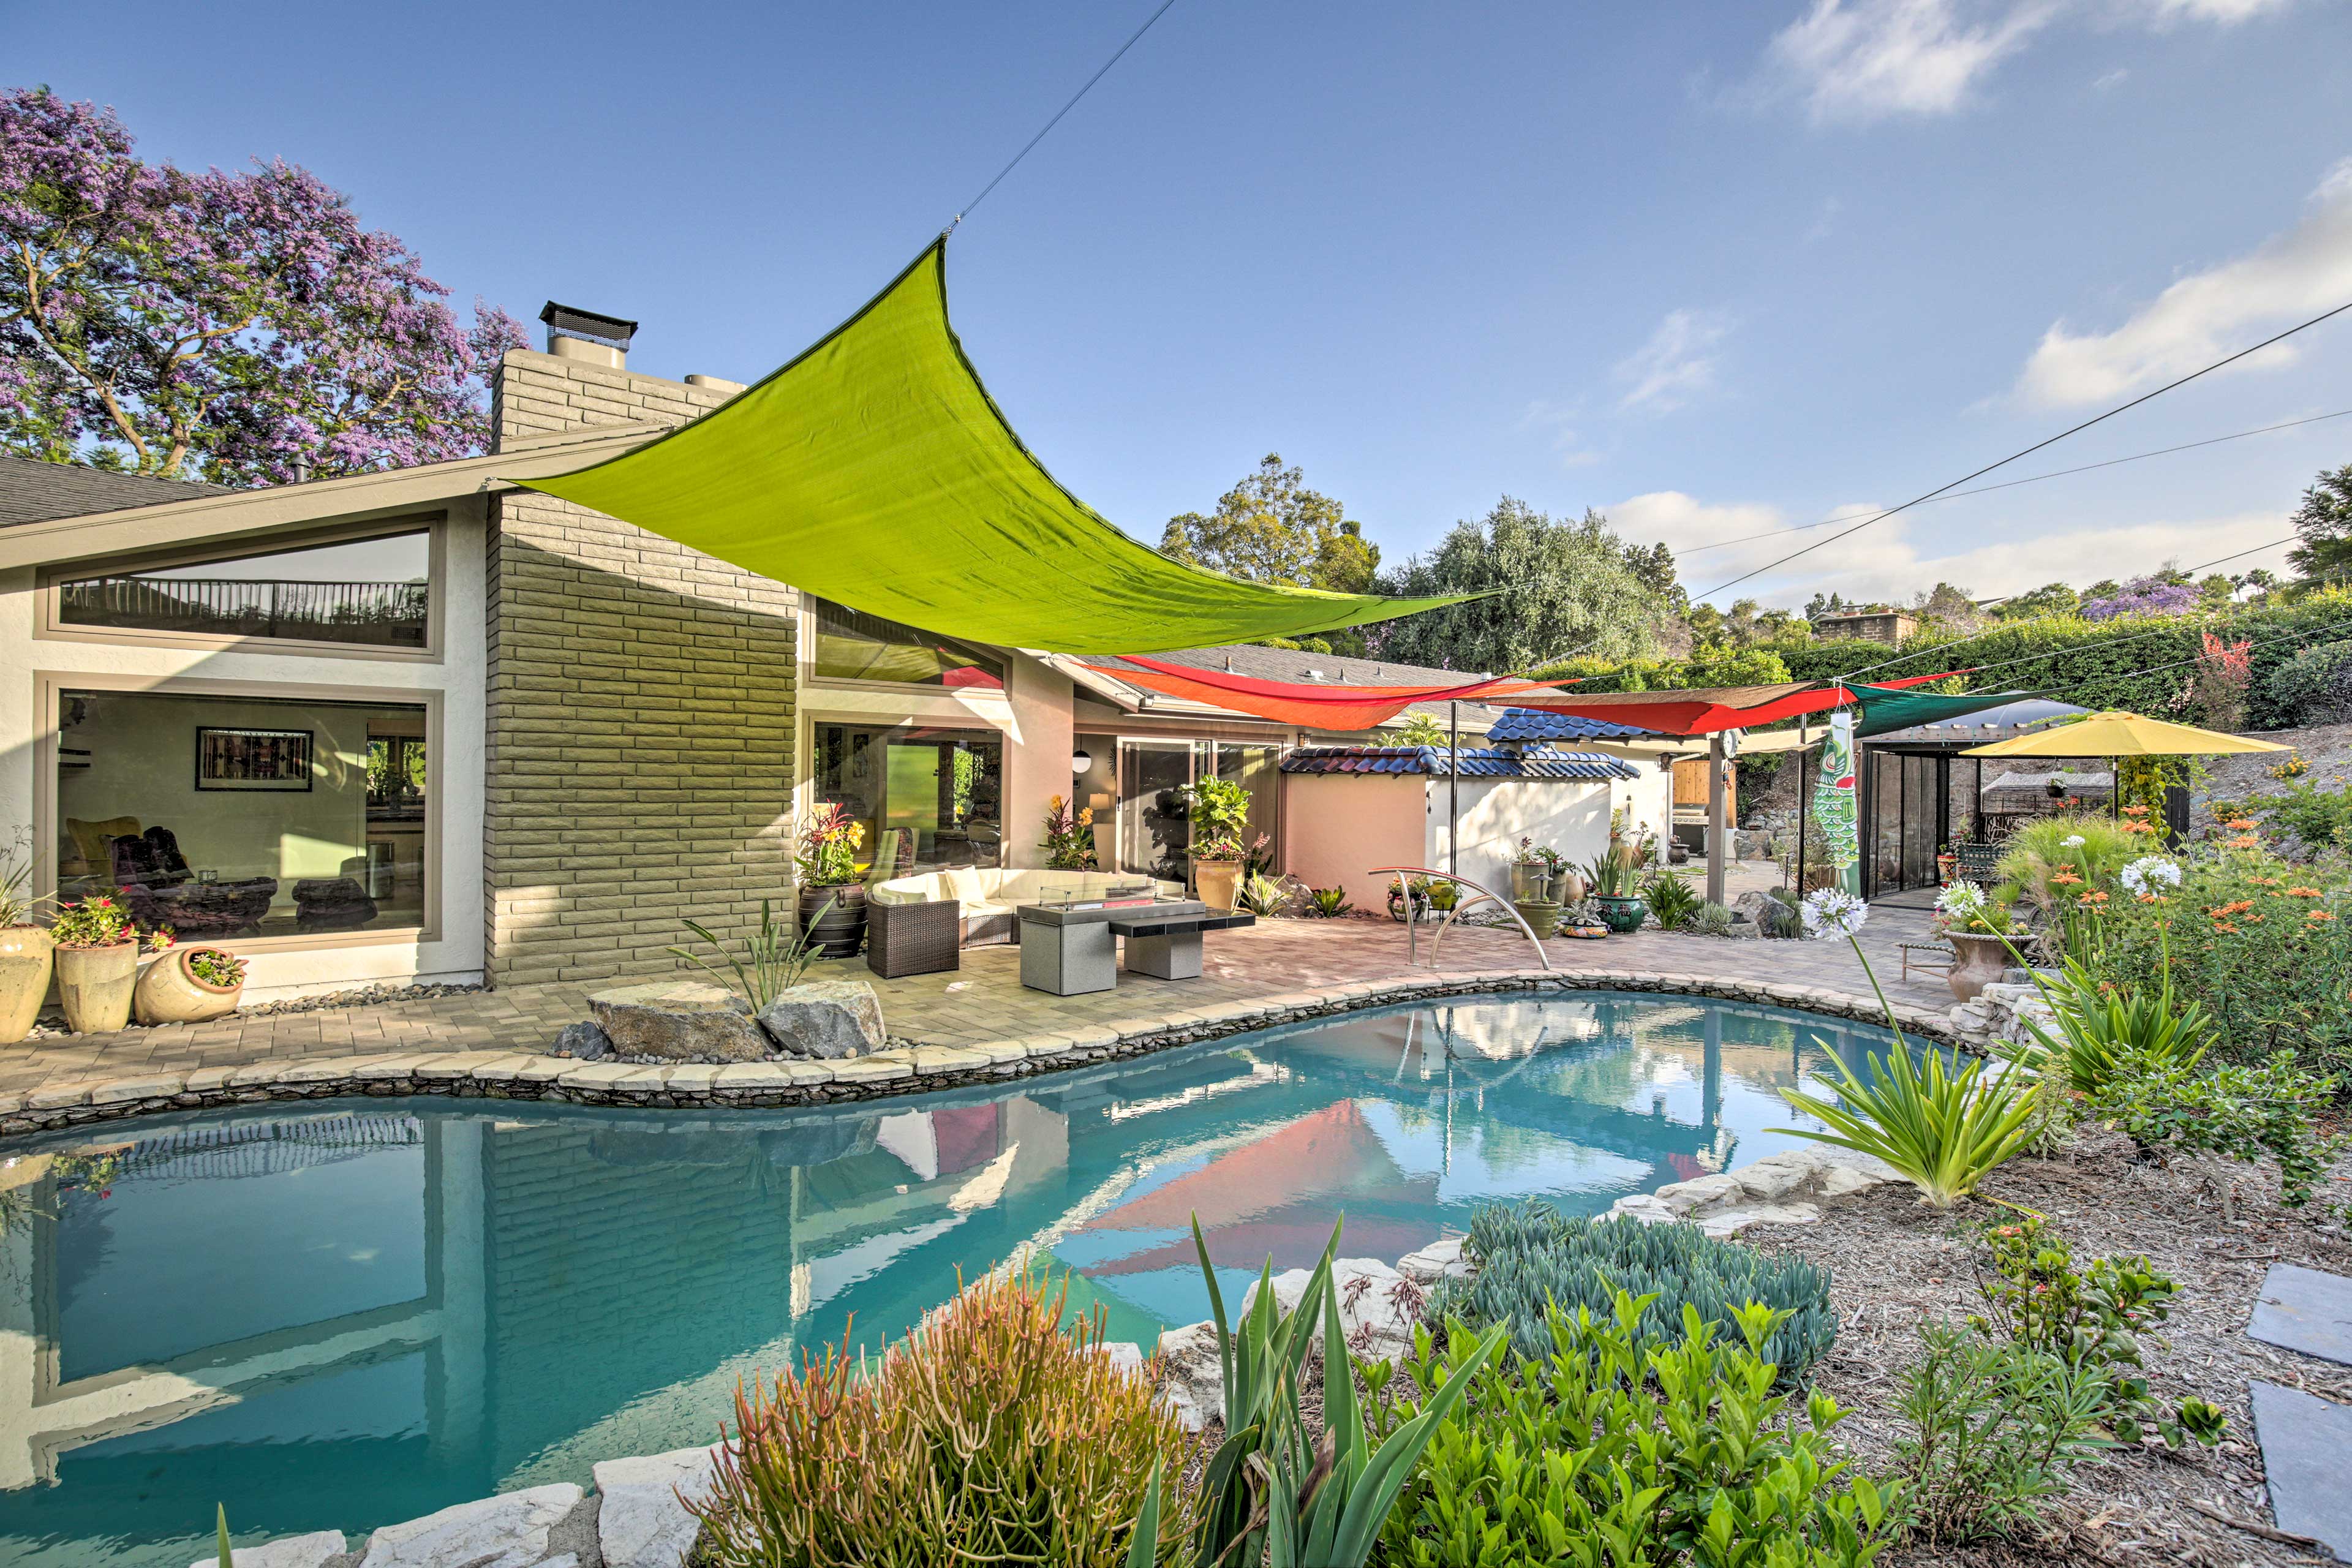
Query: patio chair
(923, 938)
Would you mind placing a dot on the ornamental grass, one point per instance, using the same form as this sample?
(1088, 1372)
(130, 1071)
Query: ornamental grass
(991, 1434)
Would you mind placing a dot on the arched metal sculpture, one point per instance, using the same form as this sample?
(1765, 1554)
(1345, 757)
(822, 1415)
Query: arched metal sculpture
(1477, 893)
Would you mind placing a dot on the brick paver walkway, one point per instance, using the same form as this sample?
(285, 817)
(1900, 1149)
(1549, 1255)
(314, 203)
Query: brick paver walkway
(983, 1001)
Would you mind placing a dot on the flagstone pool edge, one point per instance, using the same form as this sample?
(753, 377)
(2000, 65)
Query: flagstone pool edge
(911, 1068)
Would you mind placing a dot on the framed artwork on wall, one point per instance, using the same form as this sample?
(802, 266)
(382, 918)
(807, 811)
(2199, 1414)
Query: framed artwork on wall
(250, 759)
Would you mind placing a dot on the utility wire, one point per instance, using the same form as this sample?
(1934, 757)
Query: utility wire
(1131, 41)
(2013, 456)
(2185, 571)
(2012, 484)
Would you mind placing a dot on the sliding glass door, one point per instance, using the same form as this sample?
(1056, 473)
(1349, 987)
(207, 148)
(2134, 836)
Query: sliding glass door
(1155, 830)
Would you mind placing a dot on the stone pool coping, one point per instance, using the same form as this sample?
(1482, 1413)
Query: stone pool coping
(901, 1070)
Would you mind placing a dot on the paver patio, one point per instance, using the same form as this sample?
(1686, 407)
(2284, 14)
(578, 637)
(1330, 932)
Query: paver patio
(985, 1000)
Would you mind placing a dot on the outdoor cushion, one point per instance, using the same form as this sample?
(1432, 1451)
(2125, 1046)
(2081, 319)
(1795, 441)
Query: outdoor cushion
(964, 885)
(94, 839)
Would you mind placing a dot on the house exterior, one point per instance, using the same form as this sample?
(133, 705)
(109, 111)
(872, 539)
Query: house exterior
(425, 726)
(1889, 626)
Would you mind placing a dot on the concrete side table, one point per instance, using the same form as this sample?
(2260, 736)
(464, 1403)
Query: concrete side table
(1167, 947)
(1068, 950)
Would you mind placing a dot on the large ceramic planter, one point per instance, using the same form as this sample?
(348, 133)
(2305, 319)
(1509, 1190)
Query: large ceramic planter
(1541, 914)
(1530, 882)
(842, 932)
(25, 965)
(1569, 888)
(1977, 962)
(1623, 916)
(170, 992)
(1217, 882)
(94, 985)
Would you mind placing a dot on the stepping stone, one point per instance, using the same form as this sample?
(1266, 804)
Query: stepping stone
(2303, 1439)
(2306, 1311)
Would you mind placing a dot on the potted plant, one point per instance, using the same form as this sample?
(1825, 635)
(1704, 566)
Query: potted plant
(1069, 842)
(1582, 921)
(1531, 871)
(832, 900)
(1220, 811)
(27, 950)
(1979, 932)
(1409, 900)
(1443, 896)
(188, 986)
(1542, 915)
(1616, 876)
(98, 963)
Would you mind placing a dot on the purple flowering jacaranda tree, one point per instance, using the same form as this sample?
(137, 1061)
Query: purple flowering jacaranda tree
(244, 328)
(2149, 596)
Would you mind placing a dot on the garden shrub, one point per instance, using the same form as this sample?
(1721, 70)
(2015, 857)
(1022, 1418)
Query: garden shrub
(2315, 687)
(1612, 1449)
(2263, 946)
(991, 1434)
(2040, 865)
(2238, 1112)
(1531, 1259)
(2094, 1316)
(2319, 815)
(1995, 1426)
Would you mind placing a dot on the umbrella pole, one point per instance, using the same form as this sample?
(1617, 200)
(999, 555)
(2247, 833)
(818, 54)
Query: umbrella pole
(1715, 818)
(1454, 787)
(1804, 778)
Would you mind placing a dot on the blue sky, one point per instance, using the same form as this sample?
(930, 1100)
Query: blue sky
(1710, 269)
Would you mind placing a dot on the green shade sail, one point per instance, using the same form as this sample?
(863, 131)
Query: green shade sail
(1884, 708)
(876, 470)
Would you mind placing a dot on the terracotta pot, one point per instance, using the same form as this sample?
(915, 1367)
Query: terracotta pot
(1978, 961)
(1541, 914)
(1623, 916)
(842, 932)
(94, 983)
(1573, 886)
(169, 992)
(1217, 882)
(24, 966)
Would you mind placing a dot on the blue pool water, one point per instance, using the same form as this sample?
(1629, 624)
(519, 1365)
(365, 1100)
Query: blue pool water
(348, 1313)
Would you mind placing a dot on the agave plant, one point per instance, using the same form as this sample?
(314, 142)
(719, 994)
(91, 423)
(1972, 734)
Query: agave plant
(2104, 1030)
(1328, 903)
(1944, 1132)
(1268, 1495)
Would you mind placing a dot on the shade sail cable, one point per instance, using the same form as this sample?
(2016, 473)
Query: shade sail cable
(876, 470)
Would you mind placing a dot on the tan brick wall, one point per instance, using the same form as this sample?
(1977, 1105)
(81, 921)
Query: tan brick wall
(641, 713)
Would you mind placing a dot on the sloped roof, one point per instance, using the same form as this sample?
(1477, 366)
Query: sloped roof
(1474, 761)
(1534, 724)
(34, 491)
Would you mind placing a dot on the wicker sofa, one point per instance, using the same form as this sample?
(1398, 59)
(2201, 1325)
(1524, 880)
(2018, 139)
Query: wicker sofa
(988, 895)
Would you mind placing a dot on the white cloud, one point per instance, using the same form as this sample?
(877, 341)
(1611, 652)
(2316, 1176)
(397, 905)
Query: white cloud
(1860, 60)
(1676, 365)
(1905, 555)
(1560, 421)
(2113, 79)
(1868, 59)
(2207, 314)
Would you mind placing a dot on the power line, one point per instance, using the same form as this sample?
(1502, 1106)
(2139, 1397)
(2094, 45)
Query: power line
(2031, 480)
(2013, 456)
(1066, 109)
(2186, 571)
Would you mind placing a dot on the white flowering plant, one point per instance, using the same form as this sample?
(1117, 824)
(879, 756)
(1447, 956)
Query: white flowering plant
(1833, 912)
(1965, 907)
(2145, 876)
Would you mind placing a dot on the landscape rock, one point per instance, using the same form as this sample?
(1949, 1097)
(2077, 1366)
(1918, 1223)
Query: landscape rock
(679, 1020)
(1193, 1375)
(513, 1530)
(291, 1551)
(1124, 1354)
(1376, 1305)
(584, 1040)
(830, 1020)
(1725, 1224)
(643, 1522)
(1438, 1260)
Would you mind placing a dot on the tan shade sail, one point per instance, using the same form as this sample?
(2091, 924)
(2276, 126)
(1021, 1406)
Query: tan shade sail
(2121, 734)
(876, 471)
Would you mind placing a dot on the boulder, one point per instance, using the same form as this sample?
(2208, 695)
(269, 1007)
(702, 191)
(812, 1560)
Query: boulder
(1126, 1355)
(1377, 1305)
(510, 1530)
(826, 1019)
(1438, 1260)
(679, 1021)
(586, 1041)
(642, 1521)
(1725, 1224)
(1193, 1375)
(1750, 906)
(289, 1552)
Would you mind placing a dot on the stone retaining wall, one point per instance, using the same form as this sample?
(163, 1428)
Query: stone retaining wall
(904, 1069)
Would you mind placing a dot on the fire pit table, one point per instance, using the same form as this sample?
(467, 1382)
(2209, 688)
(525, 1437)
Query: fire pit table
(1066, 946)
(1167, 946)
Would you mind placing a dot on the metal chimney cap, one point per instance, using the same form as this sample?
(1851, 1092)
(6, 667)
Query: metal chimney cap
(596, 327)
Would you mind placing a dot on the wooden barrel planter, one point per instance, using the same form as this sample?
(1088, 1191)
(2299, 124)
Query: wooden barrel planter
(842, 931)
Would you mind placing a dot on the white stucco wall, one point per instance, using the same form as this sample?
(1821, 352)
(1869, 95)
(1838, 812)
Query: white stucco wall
(30, 663)
(1570, 817)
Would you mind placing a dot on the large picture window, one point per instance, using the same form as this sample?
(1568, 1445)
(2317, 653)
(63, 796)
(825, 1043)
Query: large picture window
(233, 817)
(373, 593)
(854, 646)
(929, 798)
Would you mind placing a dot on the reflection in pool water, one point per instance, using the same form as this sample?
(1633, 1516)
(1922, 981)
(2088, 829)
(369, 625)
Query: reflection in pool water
(354, 1312)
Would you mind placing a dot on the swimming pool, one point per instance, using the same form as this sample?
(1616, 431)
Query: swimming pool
(340, 1314)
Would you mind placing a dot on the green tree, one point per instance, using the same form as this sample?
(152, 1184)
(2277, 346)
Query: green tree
(2050, 599)
(1271, 528)
(2324, 521)
(1422, 729)
(1557, 587)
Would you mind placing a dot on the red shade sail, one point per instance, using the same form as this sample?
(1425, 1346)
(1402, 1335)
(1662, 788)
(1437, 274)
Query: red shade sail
(1705, 710)
(1308, 704)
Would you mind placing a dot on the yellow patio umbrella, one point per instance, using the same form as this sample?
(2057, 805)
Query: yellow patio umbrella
(2121, 734)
